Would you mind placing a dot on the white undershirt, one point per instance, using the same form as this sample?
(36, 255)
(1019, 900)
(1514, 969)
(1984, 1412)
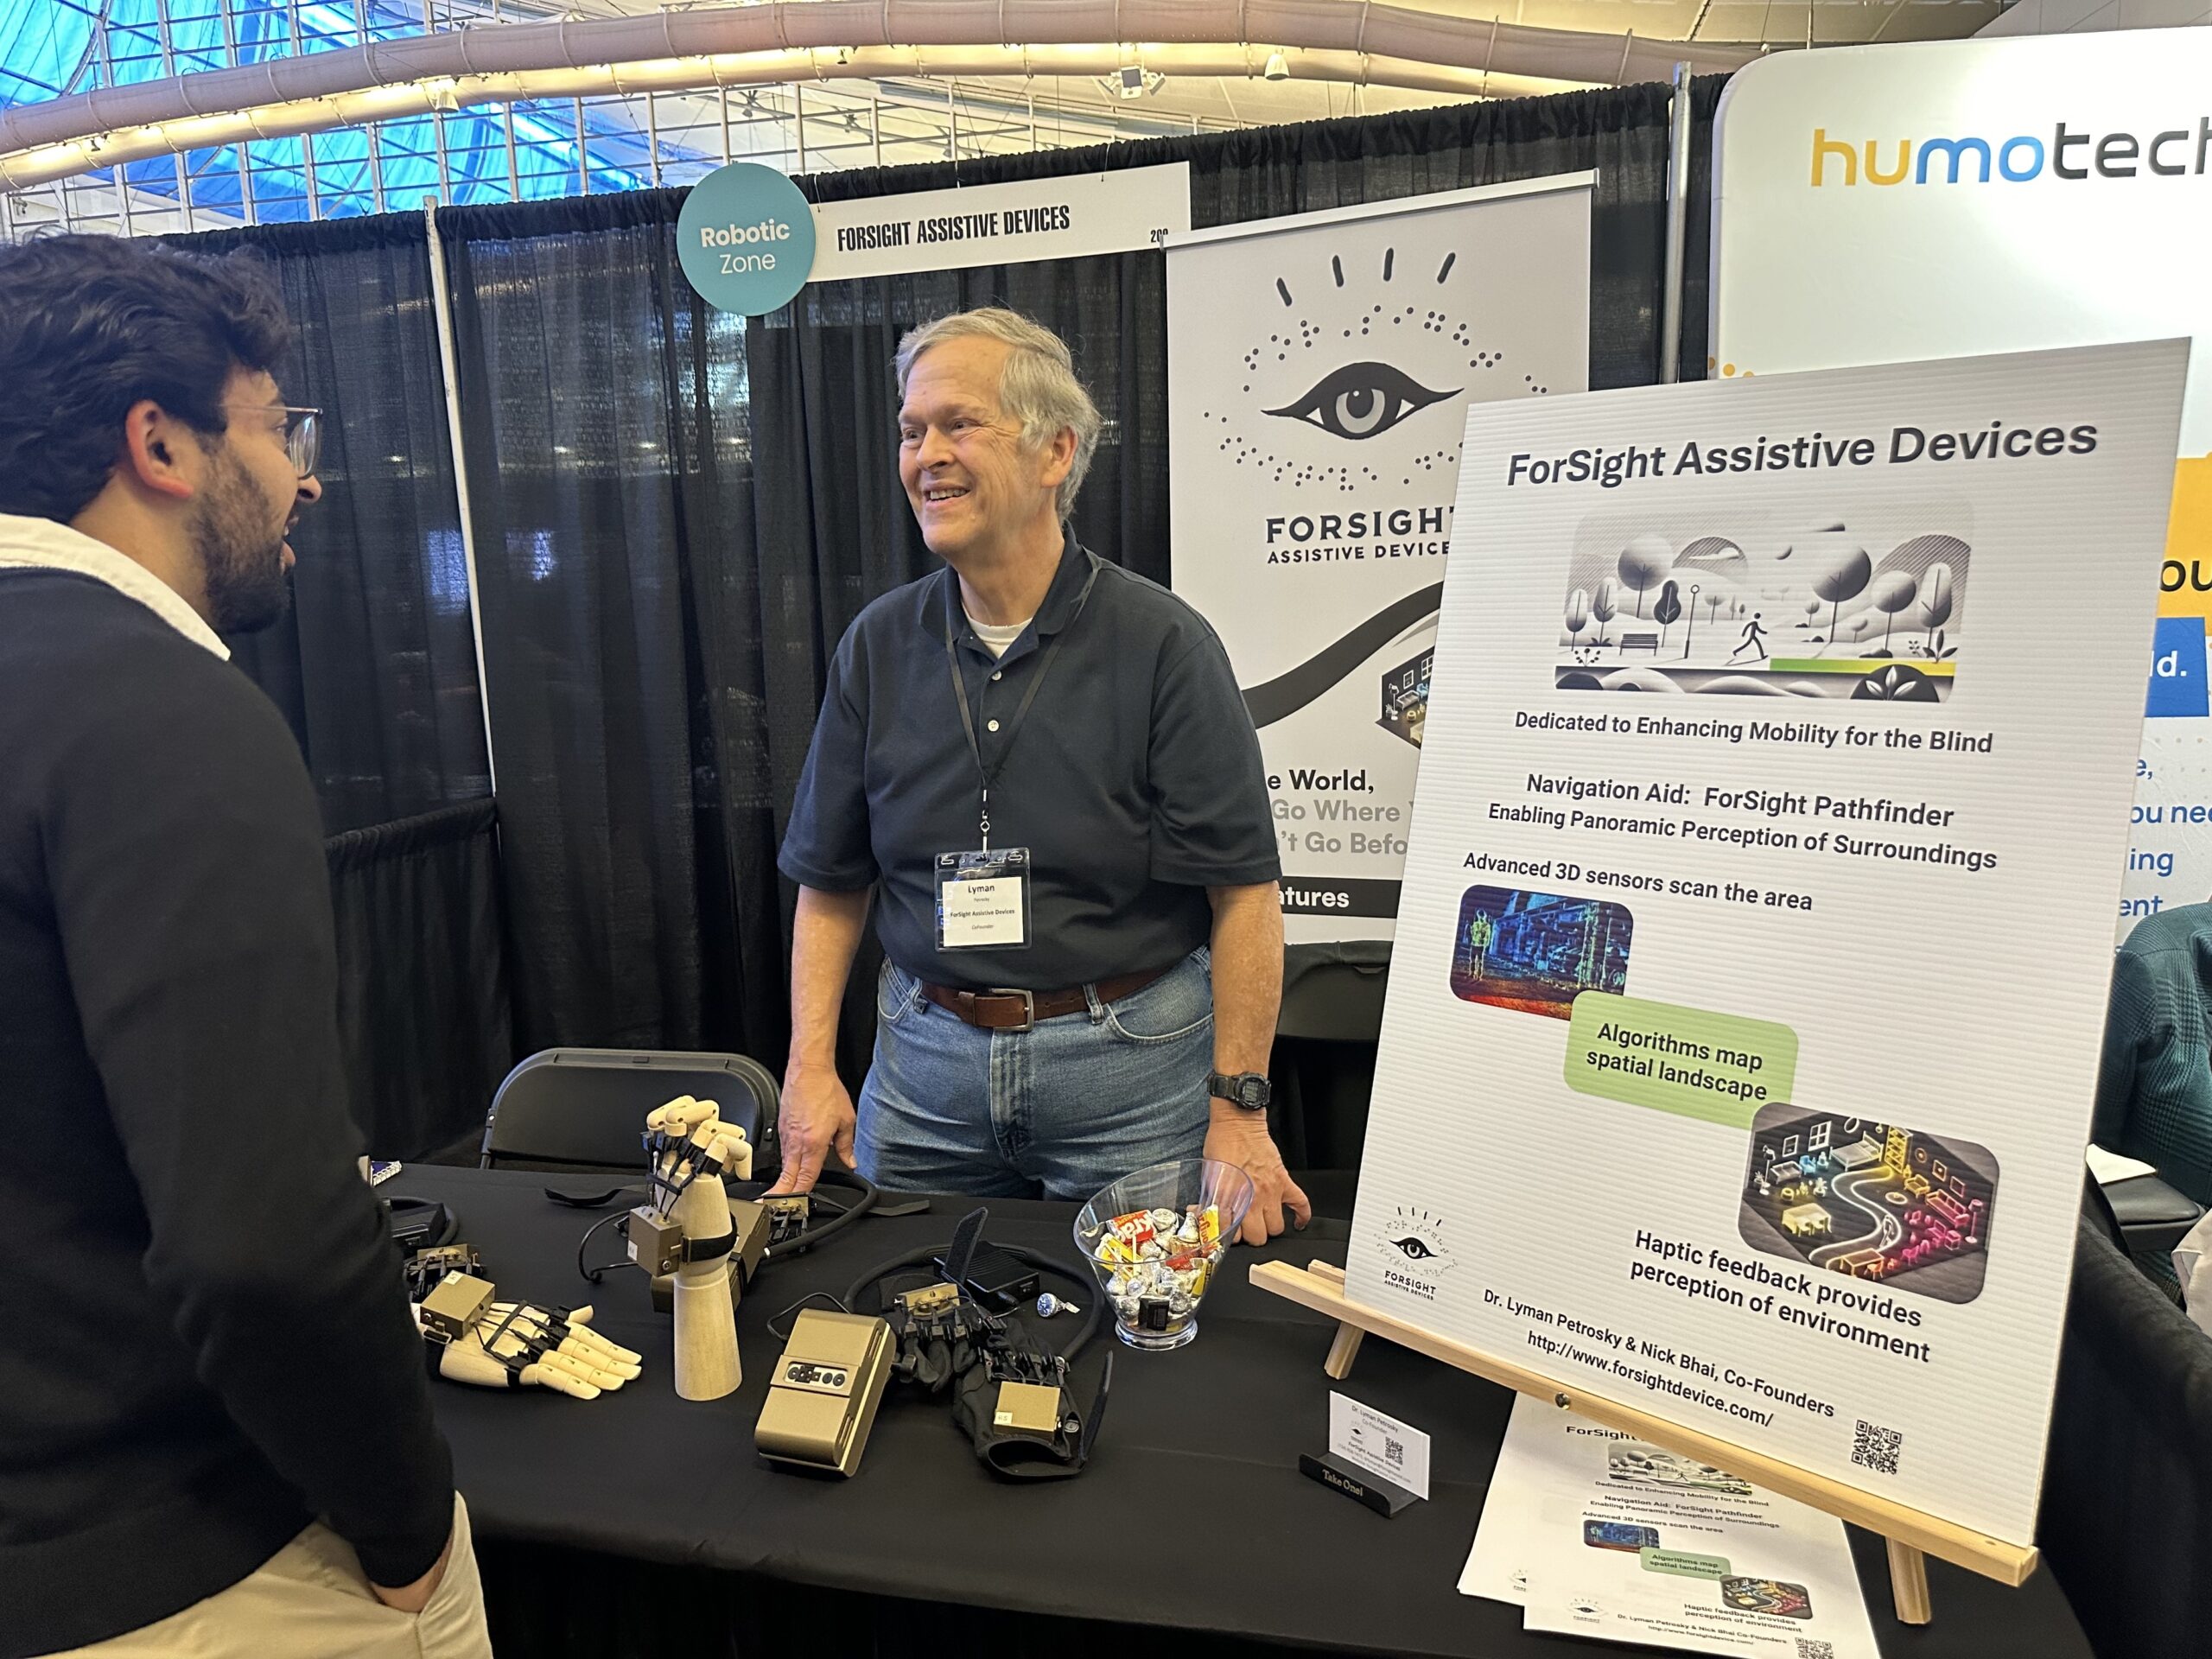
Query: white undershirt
(996, 637)
(42, 544)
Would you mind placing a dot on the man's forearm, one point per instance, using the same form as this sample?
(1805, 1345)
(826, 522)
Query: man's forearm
(825, 934)
(1247, 975)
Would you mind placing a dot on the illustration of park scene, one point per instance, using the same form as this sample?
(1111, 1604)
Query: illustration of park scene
(1818, 609)
(1871, 1199)
(1536, 952)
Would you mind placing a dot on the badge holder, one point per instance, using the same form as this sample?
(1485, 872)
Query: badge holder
(982, 900)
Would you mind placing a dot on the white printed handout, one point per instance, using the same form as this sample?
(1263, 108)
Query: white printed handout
(1596, 1534)
(1600, 1536)
(1745, 1012)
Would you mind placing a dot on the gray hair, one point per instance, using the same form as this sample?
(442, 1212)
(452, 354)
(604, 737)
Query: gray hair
(1038, 387)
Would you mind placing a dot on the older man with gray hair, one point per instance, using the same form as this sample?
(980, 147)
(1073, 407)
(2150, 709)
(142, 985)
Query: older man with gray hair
(1041, 767)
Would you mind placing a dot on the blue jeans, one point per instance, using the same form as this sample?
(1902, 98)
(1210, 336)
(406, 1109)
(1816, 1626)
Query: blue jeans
(1060, 1111)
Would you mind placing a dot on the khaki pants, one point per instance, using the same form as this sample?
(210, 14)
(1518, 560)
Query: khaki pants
(311, 1600)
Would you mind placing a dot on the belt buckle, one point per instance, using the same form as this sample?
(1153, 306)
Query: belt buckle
(1028, 1009)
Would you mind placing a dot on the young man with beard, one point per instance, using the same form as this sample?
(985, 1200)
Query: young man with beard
(217, 1436)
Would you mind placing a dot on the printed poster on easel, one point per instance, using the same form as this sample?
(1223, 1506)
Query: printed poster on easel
(1320, 369)
(1750, 970)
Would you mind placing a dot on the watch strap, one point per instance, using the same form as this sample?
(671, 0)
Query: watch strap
(1234, 1090)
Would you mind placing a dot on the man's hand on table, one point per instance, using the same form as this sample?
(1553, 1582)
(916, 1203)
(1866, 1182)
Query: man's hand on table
(817, 1118)
(1237, 1136)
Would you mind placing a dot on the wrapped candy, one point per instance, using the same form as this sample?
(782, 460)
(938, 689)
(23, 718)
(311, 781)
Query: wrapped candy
(1160, 1263)
(1156, 1240)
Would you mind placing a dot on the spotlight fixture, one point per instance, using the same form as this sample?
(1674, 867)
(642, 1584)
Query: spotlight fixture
(1133, 80)
(1278, 68)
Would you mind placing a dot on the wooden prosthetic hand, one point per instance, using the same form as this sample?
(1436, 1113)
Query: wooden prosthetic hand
(491, 1344)
(687, 1230)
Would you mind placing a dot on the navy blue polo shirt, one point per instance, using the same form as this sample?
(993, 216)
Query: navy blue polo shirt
(1135, 779)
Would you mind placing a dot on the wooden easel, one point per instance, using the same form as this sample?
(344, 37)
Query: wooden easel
(1911, 1535)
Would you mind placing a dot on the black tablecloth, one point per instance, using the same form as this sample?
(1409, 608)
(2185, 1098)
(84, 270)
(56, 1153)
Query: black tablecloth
(639, 1520)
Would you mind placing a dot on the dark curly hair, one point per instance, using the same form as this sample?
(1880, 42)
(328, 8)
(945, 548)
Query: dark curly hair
(91, 325)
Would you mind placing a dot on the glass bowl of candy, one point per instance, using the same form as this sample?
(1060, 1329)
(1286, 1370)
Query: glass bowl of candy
(1156, 1239)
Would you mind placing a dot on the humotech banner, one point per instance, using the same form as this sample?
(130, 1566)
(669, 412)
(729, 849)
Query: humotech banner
(1884, 204)
(1319, 370)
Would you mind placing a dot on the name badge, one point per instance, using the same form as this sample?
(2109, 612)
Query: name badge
(982, 900)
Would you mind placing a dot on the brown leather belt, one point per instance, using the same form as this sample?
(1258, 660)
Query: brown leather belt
(1020, 1010)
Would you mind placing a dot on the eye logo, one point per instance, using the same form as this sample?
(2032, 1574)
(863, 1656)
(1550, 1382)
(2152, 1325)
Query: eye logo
(1355, 348)
(1361, 400)
(1414, 1251)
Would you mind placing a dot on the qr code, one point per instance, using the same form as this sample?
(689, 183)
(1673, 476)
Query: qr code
(1394, 1450)
(1877, 1449)
(1808, 1649)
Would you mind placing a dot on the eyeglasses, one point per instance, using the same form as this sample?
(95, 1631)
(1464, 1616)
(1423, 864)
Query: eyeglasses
(302, 431)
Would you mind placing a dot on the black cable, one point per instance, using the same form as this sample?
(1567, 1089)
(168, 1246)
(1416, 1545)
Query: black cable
(591, 1200)
(810, 1296)
(594, 1274)
(797, 1244)
(800, 1243)
(1094, 1298)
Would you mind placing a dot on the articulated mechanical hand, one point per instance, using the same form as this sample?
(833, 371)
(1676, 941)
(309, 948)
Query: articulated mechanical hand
(687, 1139)
(427, 1267)
(939, 1334)
(522, 1345)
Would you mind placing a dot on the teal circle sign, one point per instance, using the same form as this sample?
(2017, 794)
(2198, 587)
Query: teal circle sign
(746, 239)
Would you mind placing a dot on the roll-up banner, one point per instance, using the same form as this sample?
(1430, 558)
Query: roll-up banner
(1881, 204)
(1319, 370)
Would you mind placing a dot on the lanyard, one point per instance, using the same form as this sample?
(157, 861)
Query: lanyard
(1022, 711)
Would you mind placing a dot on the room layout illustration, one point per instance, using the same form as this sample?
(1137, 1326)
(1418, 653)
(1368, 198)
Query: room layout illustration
(1405, 697)
(1874, 1200)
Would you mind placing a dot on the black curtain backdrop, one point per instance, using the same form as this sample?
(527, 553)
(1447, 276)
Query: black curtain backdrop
(375, 666)
(630, 631)
(679, 514)
(422, 1006)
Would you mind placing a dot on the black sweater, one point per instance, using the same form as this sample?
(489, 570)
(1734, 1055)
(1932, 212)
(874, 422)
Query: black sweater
(204, 1341)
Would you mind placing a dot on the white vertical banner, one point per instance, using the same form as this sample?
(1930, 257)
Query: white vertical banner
(1319, 370)
(1945, 198)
